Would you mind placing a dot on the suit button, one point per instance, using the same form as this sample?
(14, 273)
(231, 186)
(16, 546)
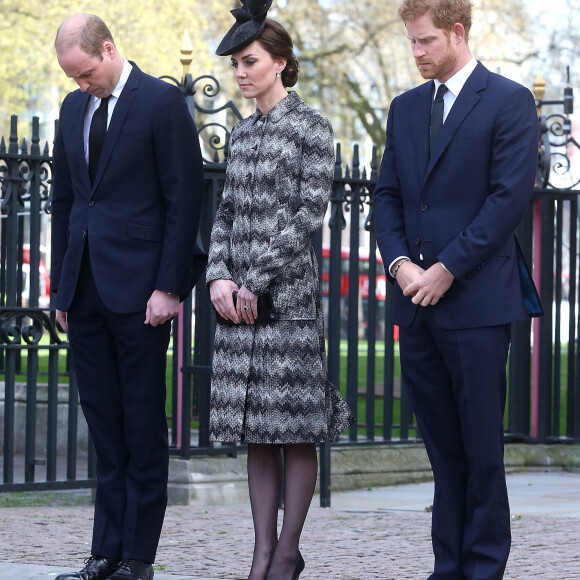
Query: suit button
(417, 241)
(91, 203)
(424, 207)
(84, 234)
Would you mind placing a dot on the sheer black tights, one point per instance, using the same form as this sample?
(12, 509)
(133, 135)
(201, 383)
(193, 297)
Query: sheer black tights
(275, 557)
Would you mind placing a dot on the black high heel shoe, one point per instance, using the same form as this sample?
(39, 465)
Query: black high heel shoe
(299, 567)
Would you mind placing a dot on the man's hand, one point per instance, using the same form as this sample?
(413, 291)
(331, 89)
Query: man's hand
(161, 307)
(430, 287)
(220, 293)
(407, 273)
(62, 320)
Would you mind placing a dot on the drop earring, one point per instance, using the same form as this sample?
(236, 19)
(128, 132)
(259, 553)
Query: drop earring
(278, 75)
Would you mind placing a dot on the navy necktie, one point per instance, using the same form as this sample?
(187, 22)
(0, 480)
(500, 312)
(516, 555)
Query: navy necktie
(437, 116)
(97, 134)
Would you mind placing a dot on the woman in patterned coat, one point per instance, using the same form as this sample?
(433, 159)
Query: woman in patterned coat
(269, 383)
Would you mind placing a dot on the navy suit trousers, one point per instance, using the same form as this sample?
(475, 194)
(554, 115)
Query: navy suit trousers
(120, 367)
(456, 380)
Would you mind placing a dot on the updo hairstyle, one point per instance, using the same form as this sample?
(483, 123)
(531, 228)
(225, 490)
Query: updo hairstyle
(276, 41)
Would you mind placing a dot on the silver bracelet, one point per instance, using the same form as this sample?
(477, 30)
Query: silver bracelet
(401, 262)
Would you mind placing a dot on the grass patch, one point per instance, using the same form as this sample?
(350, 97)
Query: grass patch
(68, 498)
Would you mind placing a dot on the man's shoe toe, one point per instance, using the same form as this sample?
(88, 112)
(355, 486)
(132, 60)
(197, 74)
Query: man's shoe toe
(132, 570)
(96, 568)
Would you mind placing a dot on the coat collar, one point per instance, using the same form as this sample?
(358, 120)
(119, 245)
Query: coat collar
(281, 108)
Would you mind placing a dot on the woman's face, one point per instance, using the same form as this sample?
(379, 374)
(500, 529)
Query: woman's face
(256, 71)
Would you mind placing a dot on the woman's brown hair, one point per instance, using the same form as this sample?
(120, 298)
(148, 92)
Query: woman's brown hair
(278, 43)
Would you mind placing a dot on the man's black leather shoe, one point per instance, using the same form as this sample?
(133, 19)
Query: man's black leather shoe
(96, 568)
(132, 570)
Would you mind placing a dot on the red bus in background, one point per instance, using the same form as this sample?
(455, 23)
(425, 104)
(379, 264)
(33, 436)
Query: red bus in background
(363, 279)
(363, 291)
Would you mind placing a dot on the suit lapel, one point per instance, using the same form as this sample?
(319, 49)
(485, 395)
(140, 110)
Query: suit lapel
(77, 139)
(420, 122)
(122, 107)
(466, 100)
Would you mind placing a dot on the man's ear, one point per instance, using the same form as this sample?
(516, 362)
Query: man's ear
(108, 49)
(458, 32)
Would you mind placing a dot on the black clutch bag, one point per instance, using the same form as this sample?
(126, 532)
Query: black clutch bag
(266, 311)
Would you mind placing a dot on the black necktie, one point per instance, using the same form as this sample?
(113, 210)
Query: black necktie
(97, 134)
(437, 116)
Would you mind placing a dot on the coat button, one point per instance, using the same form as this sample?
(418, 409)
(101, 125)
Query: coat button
(91, 203)
(424, 207)
(417, 241)
(84, 234)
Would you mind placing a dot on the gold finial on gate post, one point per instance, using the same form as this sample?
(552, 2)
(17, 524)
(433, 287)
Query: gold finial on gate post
(186, 52)
(539, 90)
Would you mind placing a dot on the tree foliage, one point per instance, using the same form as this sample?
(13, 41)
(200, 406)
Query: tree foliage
(32, 83)
(355, 57)
(557, 41)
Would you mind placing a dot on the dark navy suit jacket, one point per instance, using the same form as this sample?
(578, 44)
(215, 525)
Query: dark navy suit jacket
(462, 205)
(138, 213)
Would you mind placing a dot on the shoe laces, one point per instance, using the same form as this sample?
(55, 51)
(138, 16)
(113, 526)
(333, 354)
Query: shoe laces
(127, 565)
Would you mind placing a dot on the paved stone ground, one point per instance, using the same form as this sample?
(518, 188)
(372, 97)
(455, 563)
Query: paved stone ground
(337, 544)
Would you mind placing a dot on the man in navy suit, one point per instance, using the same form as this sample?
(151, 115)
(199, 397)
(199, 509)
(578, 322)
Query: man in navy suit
(124, 226)
(456, 178)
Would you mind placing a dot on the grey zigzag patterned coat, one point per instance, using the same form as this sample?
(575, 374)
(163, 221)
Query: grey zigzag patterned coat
(269, 382)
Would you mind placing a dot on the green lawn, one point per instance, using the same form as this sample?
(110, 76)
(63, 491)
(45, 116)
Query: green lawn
(361, 382)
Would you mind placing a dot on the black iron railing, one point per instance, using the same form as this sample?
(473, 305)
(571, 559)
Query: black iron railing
(44, 441)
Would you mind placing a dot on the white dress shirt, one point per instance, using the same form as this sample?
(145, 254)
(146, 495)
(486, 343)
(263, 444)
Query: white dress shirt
(454, 86)
(94, 103)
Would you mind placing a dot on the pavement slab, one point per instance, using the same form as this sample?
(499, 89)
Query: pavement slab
(381, 533)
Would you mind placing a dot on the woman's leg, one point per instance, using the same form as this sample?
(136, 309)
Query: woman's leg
(300, 471)
(264, 481)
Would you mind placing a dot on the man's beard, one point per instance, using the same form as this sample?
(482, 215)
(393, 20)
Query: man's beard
(440, 68)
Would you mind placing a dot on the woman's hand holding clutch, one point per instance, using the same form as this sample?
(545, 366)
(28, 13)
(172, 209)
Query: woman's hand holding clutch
(220, 292)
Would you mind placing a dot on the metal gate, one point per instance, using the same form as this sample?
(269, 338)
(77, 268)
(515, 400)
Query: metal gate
(43, 437)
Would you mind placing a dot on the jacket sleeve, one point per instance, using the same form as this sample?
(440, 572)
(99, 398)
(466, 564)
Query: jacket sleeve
(62, 198)
(317, 167)
(219, 247)
(180, 172)
(512, 175)
(388, 202)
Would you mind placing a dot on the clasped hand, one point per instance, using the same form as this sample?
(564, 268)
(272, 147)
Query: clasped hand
(246, 307)
(426, 287)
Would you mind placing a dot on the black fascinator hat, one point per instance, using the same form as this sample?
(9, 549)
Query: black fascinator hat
(250, 20)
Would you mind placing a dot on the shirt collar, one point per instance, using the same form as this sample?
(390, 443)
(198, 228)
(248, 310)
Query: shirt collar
(127, 68)
(456, 82)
